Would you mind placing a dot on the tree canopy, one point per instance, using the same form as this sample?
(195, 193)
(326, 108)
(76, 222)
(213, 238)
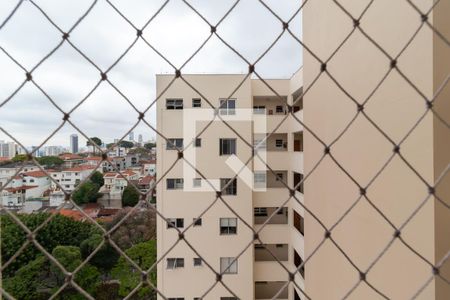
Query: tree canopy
(144, 255)
(130, 196)
(126, 144)
(97, 178)
(50, 161)
(86, 193)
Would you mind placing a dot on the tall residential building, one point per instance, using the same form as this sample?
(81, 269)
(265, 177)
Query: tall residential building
(400, 190)
(131, 136)
(74, 143)
(7, 149)
(53, 150)
(221, 234)
(140, 139)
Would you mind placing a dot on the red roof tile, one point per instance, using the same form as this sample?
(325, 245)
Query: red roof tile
(79, 168)
(23, 187)
(35, 174)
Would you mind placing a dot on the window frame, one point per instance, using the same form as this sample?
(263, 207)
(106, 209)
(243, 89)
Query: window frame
(174, 144)
(232, 265)
(231, 148)
(178, 263)
(178, 184)
(175, 103)
(225, 109)
(198, 104)
(231, 189)
(227, 229)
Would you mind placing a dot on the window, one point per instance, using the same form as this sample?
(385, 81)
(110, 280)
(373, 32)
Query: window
(197, 262)
(197, 182)
(228, 226)
(196, 102)
(197, 221)
(260, 211)
(173, 144)
(281, 211)
(259, 110)
(279, 143)
(228, 265)
(175, 223)
(31, 180)
(279, 109)
(198, 143)
(227, 106)
(174, 263)
(259, 143)
(259, 178)
(231, 188)
(279, 176)
(174, 103)
(227, 146)
(175, 183)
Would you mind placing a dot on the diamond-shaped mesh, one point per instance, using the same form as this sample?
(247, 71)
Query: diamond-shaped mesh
(143, 119)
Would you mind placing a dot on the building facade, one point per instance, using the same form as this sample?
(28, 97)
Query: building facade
(222, 235)
(74, 144)
(7, 149)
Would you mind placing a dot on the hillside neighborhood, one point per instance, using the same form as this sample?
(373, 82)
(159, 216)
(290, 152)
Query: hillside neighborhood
(105, 182)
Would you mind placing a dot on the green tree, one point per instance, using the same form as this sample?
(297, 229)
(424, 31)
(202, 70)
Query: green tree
(126, 144)
(139, 227)
(50, 161)
(32, 281)
(144, 255)
(97, 178)
(105, 258)
(149, 146)
(86, 193)
(70, 258)
(19, 158)
(130, 196)
(96, 141)
(60, 230)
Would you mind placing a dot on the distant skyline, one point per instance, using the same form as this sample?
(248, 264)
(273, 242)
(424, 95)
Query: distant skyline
(103, 36)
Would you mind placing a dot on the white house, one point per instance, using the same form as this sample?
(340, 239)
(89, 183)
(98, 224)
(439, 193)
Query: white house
(115, 183)
(70, 178)
(25, 186)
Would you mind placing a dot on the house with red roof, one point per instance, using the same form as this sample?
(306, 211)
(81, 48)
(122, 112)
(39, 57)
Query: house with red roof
(25, 186)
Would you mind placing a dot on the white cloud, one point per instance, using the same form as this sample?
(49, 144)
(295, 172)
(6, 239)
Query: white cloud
(103, 36)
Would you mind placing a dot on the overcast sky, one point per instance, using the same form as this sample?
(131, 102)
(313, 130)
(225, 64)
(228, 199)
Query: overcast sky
(103, 36)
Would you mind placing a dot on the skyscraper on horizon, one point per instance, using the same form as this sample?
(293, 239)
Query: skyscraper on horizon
(140, 138)
(131, 136)
(74, 143)
(7, 149)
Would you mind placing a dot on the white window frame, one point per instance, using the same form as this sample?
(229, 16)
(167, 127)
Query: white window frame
(225, 107)
(228, 265)
(228, 223)
(175, 263)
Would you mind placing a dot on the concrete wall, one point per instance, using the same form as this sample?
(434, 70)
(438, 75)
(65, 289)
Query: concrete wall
(363, 150)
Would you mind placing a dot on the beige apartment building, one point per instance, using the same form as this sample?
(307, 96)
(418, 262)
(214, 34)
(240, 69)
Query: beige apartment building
(220, 236)
(395, 107)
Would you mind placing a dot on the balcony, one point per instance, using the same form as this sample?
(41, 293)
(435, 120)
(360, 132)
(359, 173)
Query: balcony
(271, 252)
(262, 214)
(270, 289)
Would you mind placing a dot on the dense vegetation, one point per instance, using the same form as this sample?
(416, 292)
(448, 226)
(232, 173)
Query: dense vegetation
(106, 275)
